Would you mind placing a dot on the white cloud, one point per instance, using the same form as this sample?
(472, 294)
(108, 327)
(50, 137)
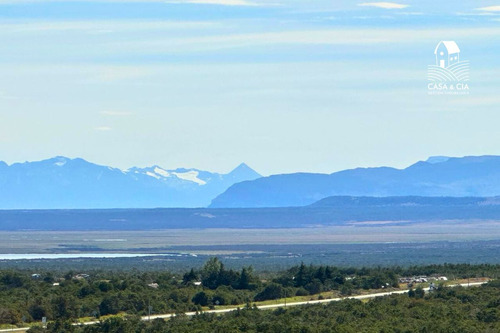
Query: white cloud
(384, 5)
(101, 26)
(116, 113)
(319, 37)
(219, 2)
(476, 14)
(103, 128)
(411, 13)
(209, 2)
(490, 9)
(218, 40)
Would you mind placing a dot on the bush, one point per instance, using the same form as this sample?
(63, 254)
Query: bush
(109, 305)
(8, 316)
(272, 291)
(301, 292)
(200, 298)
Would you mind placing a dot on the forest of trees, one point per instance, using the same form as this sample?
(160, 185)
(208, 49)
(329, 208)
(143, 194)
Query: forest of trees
(445, 310)
(27, 296)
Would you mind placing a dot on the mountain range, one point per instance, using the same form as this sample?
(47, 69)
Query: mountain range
(61, 182)
(64, 183)
(471, 176)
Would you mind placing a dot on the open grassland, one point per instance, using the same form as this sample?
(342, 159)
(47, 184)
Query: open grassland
(265, 249)
(159, 241)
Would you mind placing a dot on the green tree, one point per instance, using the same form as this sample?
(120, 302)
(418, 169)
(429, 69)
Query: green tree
(201, 298)
(271, 291)
(419, 292)
(189, 277)
(210, 273)
(8, 316)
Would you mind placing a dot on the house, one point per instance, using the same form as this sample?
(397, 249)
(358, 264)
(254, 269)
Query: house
(447, 53)
(414, 279)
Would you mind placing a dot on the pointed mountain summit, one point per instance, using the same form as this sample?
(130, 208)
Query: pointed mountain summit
(244, 171)
(62, 182)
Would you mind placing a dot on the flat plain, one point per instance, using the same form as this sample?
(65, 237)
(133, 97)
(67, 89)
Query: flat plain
(266, 238)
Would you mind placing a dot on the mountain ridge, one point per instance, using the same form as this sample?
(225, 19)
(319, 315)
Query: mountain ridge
(62, 182)
(477, 176)
(350, 201)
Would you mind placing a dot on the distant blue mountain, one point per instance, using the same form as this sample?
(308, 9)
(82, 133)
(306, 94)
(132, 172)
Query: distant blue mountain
(331, 211)
(61, 182)
(391, 203)
(472, 176)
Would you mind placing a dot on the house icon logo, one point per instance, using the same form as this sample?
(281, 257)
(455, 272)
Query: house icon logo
(449, 74)
(447, 53)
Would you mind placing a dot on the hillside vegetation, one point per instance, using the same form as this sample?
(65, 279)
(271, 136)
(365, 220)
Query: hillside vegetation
(446, 310)
(28, 297)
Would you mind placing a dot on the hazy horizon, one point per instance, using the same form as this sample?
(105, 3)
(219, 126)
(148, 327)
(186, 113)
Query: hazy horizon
(239, 164)
(283, 86)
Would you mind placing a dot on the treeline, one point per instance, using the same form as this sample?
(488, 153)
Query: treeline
(446, 310)
(27, 296)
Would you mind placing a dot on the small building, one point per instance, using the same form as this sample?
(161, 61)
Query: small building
(197, 283)
(154, 285)
(35, 276)
(447, 53)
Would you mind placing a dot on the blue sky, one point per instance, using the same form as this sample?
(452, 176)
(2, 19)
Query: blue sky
(284, 86)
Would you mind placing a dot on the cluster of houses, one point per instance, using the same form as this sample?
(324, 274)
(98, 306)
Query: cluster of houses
(36, 276)
(155, 285)
(421, 279)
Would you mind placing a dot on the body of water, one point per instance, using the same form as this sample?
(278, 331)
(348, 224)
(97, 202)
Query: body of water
(30, 256)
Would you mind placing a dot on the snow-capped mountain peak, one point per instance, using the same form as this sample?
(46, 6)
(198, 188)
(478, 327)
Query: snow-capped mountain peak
(161, 172)
(62, 182)
(60, 161)
(191, 176)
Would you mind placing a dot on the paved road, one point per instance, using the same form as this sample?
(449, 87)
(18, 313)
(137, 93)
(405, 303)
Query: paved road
(274, 306)
(281, 305)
